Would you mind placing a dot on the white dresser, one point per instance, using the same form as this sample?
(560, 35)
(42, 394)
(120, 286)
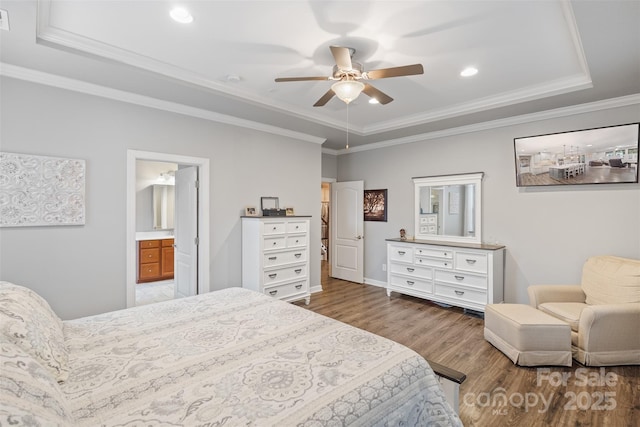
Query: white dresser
(464, 275)
(275, 256)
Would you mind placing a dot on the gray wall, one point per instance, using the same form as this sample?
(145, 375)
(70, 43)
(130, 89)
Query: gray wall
(329, 166)
(81, 270)
(548, 232)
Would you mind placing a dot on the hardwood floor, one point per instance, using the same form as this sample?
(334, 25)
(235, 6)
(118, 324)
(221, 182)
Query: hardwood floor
(496, 392)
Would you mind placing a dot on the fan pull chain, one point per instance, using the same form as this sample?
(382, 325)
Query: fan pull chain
(347, 147)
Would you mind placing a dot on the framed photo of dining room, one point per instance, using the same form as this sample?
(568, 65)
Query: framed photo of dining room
(605, 155)
(375, 205)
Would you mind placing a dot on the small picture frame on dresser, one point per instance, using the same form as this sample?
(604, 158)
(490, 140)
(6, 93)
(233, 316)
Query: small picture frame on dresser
(290, 212)
(250, 211)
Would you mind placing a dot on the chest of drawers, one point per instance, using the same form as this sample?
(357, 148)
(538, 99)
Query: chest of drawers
(275, 256)
(466, 275)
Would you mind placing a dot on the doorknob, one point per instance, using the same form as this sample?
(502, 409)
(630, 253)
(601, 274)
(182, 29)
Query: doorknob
(358, 237)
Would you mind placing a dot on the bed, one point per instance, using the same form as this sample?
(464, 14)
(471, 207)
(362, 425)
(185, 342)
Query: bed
(227, 358)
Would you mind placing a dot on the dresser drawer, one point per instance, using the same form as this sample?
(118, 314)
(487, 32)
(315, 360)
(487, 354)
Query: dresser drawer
(296, 241)
(149, 244)
(149, 255)
(167, 242)
(412, 283)
(435, 253)
(460, 278)
(401, 253)
(149, 271)
(282, 258)
(287, 289)
(274, 228)
(468, 261)
(428, 219)
(434, 262)
(297, 227)
(412, 270)
(428, 229)
(275, 276)
(459, 293)
(275, 243)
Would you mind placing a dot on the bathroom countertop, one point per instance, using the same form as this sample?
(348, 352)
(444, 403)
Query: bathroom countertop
(154, 235)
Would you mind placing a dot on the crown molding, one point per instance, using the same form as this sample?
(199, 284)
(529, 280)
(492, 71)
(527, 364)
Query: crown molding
(623, 101)
(34, 76)
(531, 93)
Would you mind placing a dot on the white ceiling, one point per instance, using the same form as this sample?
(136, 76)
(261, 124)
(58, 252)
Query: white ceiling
(531, 55)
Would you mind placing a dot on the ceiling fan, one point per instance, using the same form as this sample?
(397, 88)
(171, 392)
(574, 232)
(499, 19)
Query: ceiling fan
(348, 75)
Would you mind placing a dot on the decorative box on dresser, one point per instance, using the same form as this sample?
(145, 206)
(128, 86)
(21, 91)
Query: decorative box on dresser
(275, 256)
(465, 275)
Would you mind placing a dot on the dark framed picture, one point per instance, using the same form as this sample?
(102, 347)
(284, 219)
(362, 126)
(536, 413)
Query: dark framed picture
(375, 205)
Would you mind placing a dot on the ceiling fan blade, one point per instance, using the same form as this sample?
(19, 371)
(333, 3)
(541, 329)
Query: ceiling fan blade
(371, 91)
(325, 98)
(407, 70)
(299, 79)
(342, 55)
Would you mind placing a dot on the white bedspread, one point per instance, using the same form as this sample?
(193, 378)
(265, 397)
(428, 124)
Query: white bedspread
(236, 357)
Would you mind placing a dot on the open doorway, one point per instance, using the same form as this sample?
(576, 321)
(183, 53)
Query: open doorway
(155, 237)
(325, 231)
(190, 230)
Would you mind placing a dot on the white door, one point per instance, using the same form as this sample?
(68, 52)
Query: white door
(347, 254)
(186, 232)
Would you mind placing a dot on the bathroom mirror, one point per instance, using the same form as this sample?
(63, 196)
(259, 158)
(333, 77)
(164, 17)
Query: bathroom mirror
(163, 206)
(449, 208)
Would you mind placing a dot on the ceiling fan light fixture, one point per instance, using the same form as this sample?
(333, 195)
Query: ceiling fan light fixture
(347, 90)
(374, 101)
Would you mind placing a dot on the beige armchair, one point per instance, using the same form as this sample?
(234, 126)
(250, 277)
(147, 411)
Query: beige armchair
(603, 312)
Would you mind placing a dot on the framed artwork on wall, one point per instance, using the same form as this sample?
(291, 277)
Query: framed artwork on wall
(41, 191)
(375, 205)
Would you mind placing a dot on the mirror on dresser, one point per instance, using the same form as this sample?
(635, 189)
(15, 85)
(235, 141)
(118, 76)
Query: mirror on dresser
(448, 208)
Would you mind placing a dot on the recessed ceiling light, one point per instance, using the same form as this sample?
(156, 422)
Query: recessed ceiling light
(181, 15)
(469, 71)
(374, 101)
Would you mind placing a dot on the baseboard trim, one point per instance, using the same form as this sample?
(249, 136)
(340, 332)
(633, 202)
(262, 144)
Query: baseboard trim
(374, 282)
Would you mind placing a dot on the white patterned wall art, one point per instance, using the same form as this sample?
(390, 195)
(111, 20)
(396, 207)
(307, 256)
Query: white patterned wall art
(39, 190)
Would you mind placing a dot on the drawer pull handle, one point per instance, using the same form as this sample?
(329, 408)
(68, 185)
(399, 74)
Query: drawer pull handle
(459, 292)
(297, 255)
(275, 228)
(273, 292)
(298, 270)
(273, 258)
(411, 283)
(459, 277)
(445, 254)
(401, 252)
(149, 256)
(273, 275)
(275, 243)
(470, 261)
(298, 286)
(411, 270)
(297, 227)
(297, 240)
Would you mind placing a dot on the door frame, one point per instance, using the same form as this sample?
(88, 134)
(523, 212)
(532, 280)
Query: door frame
(203, 216)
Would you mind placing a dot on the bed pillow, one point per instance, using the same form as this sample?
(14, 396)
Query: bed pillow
(29, 393)
(27, 320)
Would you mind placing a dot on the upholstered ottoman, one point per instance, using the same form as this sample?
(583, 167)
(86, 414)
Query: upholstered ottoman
(527, 336)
